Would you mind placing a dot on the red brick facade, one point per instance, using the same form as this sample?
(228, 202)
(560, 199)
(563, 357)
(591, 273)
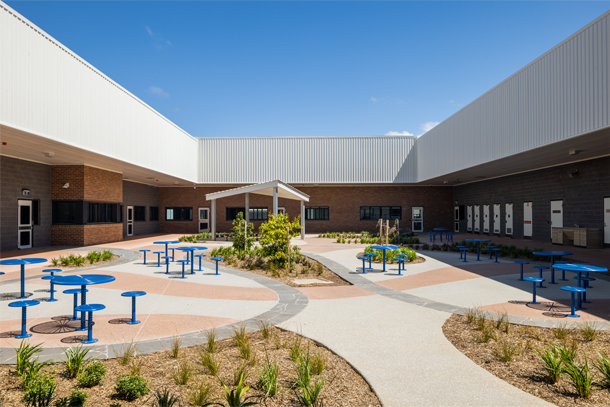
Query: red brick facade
(86, 184)
(344, 204)
(86, 235)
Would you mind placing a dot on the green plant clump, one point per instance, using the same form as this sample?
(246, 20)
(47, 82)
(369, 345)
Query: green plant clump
(40, 391)
(92, 375)
(131, 387)
(76, 360)
(274, 235)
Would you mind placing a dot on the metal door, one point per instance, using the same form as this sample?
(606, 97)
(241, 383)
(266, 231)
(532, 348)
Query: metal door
(130, 221)
(204, 220)
(497, 218)
(24, 215)
(469, 216)
(456, 218)
(485, 218)
(509, 219)
(417, 219)
(477, 220)
(527, 219)
(607, 220)
(556, 215)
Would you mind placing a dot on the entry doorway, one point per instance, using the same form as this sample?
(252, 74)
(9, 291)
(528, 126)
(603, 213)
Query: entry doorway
(417, 219)
(527, 220)
(497, 219)
(607, 220)
(130, 221)
(485, 218)
(509, 219)
(469, 216)
(456, 219)
(477, 220)
(24, 215)
(556, 215)
(204, 219)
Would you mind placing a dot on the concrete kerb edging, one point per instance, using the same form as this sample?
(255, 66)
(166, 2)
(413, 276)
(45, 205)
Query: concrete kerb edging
(367, 285)
(290, 303)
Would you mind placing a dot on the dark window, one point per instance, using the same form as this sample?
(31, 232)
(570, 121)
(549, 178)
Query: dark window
(178, 214)
(102, 212)
(36, 212)
(139, 213)
(153, 213)
(255, 213)
(64, 212)
(380, 212)
(316, 213)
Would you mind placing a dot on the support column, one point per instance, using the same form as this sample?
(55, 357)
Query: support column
(247, 214)
(302, 220)
(213, 216)
(275, 201)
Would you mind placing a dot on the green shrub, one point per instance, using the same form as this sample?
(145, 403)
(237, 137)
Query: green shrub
(202, 394)
(131, 387)
(40, 391)
(164, 399)
(77, 398)
(274, 235)
(92, 375)
(31, 372)
(107, 255)
(24, 354)
(242, 239)
(76, 360)
(580, 377)
(603, 366)
(268, 378)
(552, 361)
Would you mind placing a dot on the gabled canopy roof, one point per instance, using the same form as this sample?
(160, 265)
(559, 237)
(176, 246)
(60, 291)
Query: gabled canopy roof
(265, 188)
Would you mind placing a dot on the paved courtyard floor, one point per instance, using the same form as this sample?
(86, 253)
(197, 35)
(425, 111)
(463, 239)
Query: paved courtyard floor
(388, 326)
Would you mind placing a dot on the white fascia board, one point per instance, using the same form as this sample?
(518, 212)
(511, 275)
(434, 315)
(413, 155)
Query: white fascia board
(265, 188)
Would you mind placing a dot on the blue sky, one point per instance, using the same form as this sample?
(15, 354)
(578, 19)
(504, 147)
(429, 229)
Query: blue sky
(309, 68)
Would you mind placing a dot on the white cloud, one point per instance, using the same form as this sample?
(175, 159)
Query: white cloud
(374, 99)
(427, 126)
(158, 92)
(157, 42)
(149, 31)
(398, 133)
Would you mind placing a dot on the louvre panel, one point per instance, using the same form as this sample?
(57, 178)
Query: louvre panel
(49, 91)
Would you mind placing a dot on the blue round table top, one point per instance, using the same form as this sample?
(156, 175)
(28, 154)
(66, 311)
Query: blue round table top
(363, 258)
(522, 262)
(552, 253)
(19, 262)
(384, 247)
(144, 250)
(51, 271)
(534, 279)
(573, 289)
(369, 254)
(441, 229)
(580, 267)
(133, 294)
(23, 303)
(88, 279)
(167, 242)
(217, 258)
(478, 240)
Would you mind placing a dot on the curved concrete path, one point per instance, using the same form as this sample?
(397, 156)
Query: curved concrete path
(396, 341)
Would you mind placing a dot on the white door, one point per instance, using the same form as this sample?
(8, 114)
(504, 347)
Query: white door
(130, 221)
(477, 220)
(417, 219)
(456, 219)
(556, 215)
(509, 219)
(527, 219)
(25, 224)
(469, 216)
(204, 220)
(281, 209)
(485, 218)
(607, 220)
(497, 218)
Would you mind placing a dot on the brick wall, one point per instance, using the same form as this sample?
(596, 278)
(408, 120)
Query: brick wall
(135, 194)
(343, 202)
(16, 175)
(85, 235)
(86, 184)
(74, 175)
(582, 195)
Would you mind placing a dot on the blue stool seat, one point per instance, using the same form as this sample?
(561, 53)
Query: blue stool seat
(74, 291)
(200, 256)
(540, 270)
(370, 257)
(460, 249)
(404, 259)
(572, 291)
(158, 258)
(144, 251)
(449, 235)
(586, 282)
(133, 295)
(496, 251)
(167, 259)
(364, 259)
(401, 262)
(463, 250)
(432, 236)
(183, 263)
(90, 309)
(534, 280)
(217, 259)
(23, 304)
(490, 248)
(52, 289)
(521, 263)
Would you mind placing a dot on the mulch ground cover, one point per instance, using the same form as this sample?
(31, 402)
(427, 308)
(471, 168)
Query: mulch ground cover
(391, 261)
(298, 271)
(526, 370)
(344, 386)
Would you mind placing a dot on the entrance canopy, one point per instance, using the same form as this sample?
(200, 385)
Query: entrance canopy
(275, 189)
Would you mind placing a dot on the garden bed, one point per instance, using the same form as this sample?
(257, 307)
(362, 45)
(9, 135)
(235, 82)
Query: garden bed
(298, 271)
(526, 370)
(390, 260)
(343, 385)
(93, 258)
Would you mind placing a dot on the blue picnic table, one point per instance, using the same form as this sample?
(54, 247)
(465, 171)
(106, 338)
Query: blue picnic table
(478, 241)
(22, 263)
(384, 248)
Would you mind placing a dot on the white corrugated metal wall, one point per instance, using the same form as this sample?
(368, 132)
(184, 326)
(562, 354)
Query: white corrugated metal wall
(562, 94)
(47, 90)
(307, 159)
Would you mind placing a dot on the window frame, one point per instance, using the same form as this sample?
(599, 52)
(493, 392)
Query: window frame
(139, 210)
(182, 209)
(378, 212)
(263, 216)
(318, 209)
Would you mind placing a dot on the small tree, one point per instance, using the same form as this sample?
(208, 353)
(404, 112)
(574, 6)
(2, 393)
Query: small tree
(274, 236)
(242, 239)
